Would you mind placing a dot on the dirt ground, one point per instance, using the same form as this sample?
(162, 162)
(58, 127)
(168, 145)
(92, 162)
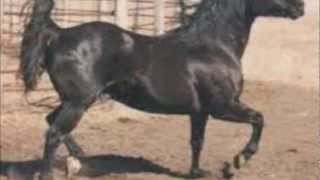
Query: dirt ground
(288, 149)
(121, 143)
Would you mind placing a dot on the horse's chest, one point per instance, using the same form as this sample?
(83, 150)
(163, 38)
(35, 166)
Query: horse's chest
(236, 80)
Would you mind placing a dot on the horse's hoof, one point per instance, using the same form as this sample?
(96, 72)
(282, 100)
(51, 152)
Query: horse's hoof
(239, 161)
(199, 173)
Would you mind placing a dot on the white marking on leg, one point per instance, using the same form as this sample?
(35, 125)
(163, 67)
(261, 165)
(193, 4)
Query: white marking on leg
(73, 166)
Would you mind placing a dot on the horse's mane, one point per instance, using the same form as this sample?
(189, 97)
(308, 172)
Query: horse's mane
(206, 18)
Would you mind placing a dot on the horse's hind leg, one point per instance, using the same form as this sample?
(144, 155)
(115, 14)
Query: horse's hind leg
(72, 146)
(66, 120)
(198, 125)
(241, 113)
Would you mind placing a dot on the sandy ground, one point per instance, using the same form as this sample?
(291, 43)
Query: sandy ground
(288, 149)
(121, 143)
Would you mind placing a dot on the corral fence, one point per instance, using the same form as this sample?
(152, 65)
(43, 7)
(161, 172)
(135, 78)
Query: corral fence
(151, 17)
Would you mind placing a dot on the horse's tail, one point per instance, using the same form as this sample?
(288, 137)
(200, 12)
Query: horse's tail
(39, 32)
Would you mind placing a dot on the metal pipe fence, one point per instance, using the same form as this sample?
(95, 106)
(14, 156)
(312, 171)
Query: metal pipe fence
(141, 18)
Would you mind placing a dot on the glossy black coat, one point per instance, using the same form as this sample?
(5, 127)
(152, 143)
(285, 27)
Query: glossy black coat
(194, 70)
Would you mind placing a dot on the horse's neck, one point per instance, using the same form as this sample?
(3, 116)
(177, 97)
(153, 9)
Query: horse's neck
(234, 35)
(214, 25)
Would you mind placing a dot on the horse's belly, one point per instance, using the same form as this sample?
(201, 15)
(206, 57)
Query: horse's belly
(155, 100)
(147, 103)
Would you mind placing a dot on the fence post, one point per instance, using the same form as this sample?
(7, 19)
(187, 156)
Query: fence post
(65, 17)
(1, 24)
(159, 16)
(1, 52)
(99, 4)
(122, 13)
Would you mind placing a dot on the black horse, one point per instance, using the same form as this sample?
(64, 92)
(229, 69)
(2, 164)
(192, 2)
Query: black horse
(193, 70)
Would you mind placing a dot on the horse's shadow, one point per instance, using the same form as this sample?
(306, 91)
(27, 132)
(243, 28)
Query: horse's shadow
(91, 166)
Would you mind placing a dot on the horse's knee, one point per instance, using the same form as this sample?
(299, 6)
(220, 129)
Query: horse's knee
(257, 119)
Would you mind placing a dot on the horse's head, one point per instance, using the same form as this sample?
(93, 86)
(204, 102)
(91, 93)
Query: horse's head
(278, 8)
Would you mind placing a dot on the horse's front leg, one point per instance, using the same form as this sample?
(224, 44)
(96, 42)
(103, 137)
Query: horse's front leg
(66, 120)
(241, 113)
(198, 126)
